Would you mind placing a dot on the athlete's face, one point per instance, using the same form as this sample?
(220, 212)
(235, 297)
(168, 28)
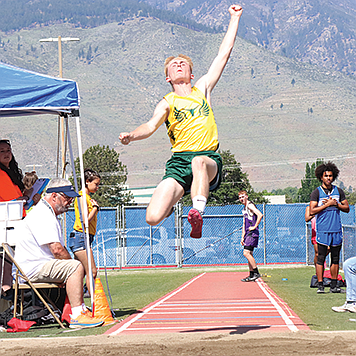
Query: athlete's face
(327, 178)
(178, 69)
(243, 198)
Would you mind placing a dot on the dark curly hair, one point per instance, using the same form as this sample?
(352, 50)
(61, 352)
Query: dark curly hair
(14, 172)
(327, 167)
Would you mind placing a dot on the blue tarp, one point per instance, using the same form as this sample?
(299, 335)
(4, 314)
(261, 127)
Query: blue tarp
(23, 92)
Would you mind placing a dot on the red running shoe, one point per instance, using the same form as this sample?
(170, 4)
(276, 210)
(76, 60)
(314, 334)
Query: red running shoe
(195, 219)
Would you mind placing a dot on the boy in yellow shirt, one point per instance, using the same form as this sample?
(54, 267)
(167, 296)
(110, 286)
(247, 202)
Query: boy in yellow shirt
(195, 166)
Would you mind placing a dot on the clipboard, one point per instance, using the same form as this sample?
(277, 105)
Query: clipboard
(38, 187)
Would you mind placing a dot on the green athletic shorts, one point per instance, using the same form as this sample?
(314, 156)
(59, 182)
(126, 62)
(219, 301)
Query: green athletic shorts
(179, 167)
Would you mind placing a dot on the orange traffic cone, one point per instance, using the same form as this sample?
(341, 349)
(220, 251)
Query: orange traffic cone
(67, 310)
(101, 305)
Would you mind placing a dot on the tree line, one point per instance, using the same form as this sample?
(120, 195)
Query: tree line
(113, 190)
(308, 183)
(18, 14)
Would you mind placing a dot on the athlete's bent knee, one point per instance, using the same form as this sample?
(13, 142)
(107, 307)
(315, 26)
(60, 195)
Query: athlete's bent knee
(198, 162)
(322, 252)
(247, 253)
(335, 254)
(152, 219)
(95, 272)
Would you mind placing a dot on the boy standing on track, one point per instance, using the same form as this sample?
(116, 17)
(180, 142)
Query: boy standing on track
(195, 166)
(250, 234)
(326, 202)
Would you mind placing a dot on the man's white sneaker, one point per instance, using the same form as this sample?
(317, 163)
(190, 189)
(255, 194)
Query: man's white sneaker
(351, 307)
(347, 307)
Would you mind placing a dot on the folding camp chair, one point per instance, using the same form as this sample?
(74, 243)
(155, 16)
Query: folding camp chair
(29, 285)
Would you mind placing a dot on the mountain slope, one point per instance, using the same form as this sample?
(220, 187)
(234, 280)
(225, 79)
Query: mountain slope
(273, 113)
(17, 14)
(313, 31)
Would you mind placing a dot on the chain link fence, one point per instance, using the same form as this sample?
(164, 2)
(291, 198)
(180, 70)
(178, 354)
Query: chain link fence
(106, 244)
(124, 239)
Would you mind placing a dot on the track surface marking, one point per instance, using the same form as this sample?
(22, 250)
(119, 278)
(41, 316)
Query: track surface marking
(214, 302)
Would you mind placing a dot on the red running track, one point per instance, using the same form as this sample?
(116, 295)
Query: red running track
(214, 302)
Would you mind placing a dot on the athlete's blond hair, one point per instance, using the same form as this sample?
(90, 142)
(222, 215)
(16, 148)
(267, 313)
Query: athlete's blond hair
(170, 59)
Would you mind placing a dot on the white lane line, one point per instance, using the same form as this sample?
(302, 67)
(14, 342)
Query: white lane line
(126, 325)
(163, 308)
(281, 312)
(218, 301)
(216, 312)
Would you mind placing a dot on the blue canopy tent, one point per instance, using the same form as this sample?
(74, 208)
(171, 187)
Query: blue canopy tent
(23, 93)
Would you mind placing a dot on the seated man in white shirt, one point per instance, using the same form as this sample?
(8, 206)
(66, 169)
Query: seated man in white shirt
(41, 253)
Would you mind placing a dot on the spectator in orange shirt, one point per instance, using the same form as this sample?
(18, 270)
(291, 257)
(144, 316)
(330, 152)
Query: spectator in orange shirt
(11, 186)
(11, 177)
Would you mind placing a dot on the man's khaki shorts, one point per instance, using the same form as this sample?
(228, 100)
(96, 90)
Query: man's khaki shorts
(56, 271)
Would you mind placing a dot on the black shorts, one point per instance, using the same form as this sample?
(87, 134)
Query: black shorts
(250, 248)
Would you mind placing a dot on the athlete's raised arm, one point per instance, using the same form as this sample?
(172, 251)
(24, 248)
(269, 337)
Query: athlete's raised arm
(207, 83)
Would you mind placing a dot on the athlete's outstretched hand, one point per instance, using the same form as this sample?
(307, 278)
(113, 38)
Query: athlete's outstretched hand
(235, 10)
(125, 138)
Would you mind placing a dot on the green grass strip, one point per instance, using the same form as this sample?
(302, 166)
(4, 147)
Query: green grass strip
(131, 290)
(314, 309)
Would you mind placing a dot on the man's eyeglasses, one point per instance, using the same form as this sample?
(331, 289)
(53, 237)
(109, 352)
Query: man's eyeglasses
(66, 197)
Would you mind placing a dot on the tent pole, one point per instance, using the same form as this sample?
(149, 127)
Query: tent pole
(73, 170)
(58, 140)
(63, 147)
(64, 144)
(85, 213)
(64, 120)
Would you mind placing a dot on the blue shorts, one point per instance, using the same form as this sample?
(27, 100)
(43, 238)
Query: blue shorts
(329, 238)
(76, 241)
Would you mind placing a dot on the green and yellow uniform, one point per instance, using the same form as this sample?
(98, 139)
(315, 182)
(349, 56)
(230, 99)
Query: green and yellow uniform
(193, 132)
(191, 125)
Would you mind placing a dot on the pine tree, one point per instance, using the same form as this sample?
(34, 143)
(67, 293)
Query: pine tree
(309, 182)
(106, 162)
(89, 54)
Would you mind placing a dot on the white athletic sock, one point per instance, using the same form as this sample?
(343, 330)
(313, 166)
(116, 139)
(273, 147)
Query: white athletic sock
(76, 311)
(199, 203)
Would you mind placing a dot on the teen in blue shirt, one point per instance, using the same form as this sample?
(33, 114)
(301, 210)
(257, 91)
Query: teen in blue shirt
(326, 202)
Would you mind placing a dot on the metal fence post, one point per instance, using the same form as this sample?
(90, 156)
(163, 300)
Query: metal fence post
(264, 235)
(178, 237)
(118, 234)
(343, 248)
(122, 235)
(306, 244)
(151, 246)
